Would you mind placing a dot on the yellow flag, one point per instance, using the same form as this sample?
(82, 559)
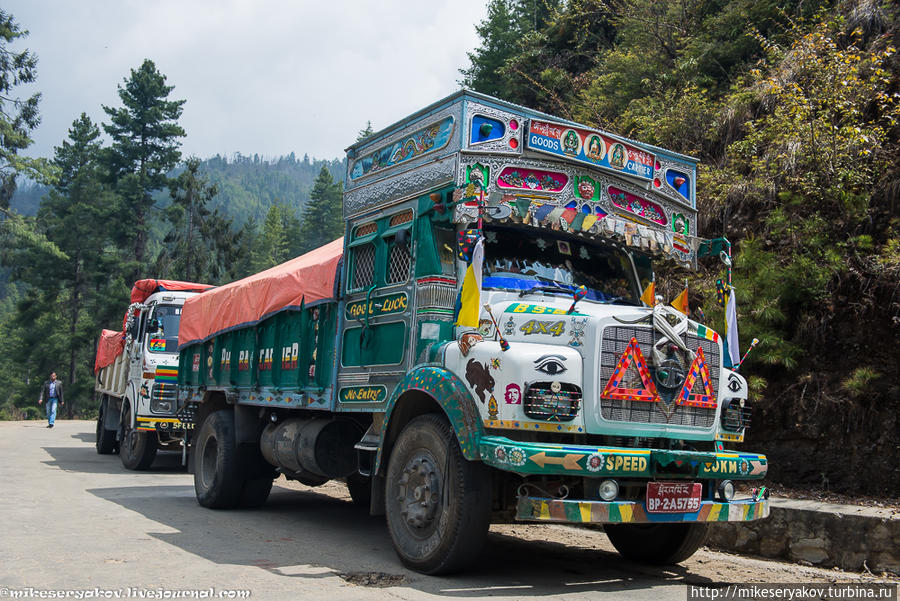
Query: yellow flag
(681, 302)
(470, 298)
(649, 295)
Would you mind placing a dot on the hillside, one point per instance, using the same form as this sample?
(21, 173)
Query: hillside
(247, 186)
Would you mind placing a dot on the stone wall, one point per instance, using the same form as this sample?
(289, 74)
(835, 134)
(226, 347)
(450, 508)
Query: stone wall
(820, 534)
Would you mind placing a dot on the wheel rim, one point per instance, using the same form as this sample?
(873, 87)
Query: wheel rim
(208, 461)
(420, 494)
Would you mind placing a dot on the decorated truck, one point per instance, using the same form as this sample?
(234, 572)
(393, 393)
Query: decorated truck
(135, 376)
(475, 347)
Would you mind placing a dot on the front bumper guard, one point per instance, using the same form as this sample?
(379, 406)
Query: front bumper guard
(537, 509)
(530, 458)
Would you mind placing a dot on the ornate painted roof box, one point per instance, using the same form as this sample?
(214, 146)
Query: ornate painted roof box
(534, 169)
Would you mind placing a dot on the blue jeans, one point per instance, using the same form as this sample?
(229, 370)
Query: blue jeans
(51, 410)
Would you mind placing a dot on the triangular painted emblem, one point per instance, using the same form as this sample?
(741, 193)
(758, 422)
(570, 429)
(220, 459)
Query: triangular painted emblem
(614, 390)
(706, 398)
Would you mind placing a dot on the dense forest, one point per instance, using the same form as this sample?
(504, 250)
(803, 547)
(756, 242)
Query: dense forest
(792, 108)
(118, 202)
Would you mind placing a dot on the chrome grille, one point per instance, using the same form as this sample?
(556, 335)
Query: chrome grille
(615, 341)
(735, 417)
(435, 294)
(542, 403)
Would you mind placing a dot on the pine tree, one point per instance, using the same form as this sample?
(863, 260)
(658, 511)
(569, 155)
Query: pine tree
(322, 218)
(17, 116)
(145, 140)
(201, 244)
(66, 295)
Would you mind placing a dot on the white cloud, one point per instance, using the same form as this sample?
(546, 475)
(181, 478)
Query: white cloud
(268, 77)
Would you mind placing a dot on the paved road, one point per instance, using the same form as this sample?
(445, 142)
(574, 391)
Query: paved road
(72, 519)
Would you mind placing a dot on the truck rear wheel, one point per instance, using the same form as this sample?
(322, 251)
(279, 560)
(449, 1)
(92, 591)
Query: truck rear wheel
(657, 544)
(438, 504)
(136, 449)
(106, 439)
(219, 481)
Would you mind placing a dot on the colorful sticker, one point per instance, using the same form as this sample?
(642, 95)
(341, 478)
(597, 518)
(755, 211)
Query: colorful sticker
(157, 344)
(479, 378)
(534, 326)
(166, 374)
(513, 394)
(590, 147)
(535, 310)
(577, 331)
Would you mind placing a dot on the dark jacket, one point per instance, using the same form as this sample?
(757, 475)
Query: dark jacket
(45, 391)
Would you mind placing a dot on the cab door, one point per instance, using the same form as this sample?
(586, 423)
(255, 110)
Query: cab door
(375, 347)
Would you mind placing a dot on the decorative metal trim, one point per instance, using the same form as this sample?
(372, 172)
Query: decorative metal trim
(500, 144)
(399, 186)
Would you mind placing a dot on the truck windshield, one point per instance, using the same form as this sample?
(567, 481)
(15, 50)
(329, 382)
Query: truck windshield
(523, 260)
(162, 329)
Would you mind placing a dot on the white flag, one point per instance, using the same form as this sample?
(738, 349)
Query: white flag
(734, 347)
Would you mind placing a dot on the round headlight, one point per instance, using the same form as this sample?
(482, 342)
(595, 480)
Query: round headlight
(608, 490)
(725, 490)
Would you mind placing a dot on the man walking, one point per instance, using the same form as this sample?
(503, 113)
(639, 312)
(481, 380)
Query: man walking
(52, 392)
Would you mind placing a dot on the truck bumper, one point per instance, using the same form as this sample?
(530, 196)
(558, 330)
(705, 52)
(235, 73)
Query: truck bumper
(621, 462)
(162, 424)
(536, 509)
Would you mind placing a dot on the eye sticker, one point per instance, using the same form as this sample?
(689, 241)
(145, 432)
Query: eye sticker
(552, 365)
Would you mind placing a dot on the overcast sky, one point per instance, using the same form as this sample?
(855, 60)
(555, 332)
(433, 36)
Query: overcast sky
(259, 76)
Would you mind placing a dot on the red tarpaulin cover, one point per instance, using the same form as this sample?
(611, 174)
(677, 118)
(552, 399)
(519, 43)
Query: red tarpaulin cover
(144, 288)
(111, 345)
(308, 278)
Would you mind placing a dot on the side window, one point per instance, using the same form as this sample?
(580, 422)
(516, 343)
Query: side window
(399, 258)
(398, 240)
(363, 266)
(445, 241)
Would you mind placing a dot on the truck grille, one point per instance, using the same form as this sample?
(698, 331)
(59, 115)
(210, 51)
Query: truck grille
(162, 398)
(615, 341)
(542, 403)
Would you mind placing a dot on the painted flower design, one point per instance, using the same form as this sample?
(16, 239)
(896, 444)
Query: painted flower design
(595, 462)
(500, 454)
(516, 456)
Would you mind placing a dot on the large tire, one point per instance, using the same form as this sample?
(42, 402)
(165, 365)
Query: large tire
(106, 439)
(218, 482)
(438, 504)
(136, 449)
(657, 544)
(360, 488)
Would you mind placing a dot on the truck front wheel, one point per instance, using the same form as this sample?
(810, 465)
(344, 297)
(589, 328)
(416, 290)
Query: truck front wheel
(136, 449)
(106, 439)
(438, 504)
(657, 544)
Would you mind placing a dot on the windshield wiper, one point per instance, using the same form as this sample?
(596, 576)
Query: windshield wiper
(545, 289)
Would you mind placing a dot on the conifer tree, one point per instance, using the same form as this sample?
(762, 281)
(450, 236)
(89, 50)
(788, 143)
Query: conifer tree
(145, 139)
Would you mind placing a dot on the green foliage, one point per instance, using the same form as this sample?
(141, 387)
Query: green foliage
(323, 217)
(145, 140)
(860, 381)
(278, 239)
(201, 245)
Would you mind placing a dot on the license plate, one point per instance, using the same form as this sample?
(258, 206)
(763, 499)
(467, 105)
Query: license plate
(673, 497)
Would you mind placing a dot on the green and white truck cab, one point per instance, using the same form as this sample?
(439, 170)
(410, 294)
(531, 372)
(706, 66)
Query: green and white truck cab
(569, 400)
